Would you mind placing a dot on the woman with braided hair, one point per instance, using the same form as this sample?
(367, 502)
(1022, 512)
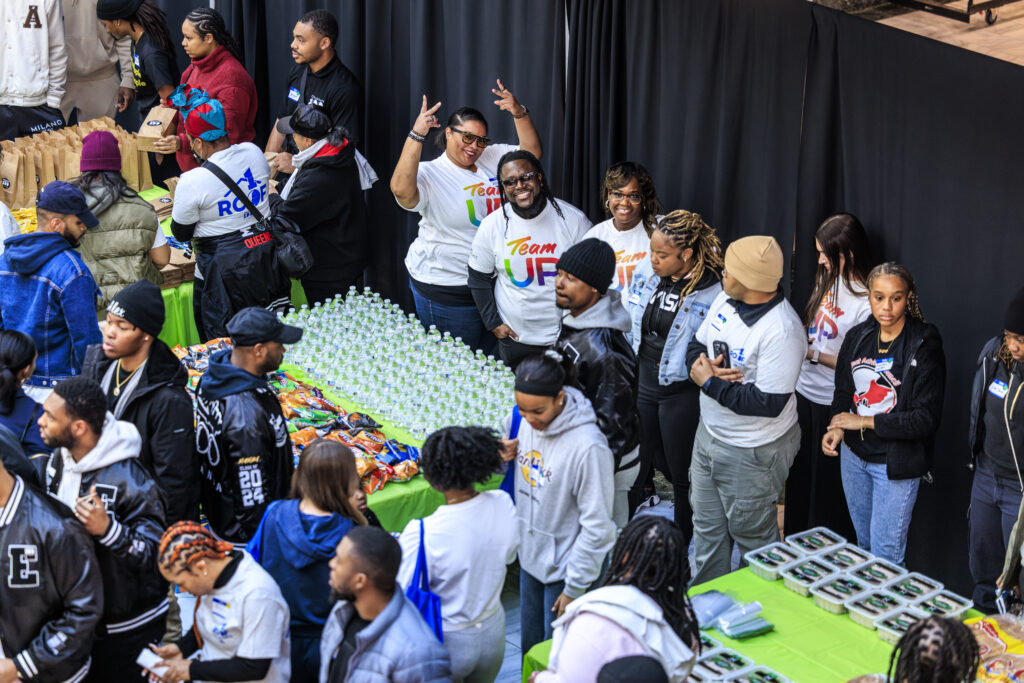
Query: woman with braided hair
(890, 379)
(468, 541)
(935, 650)
(641, 609)
(241, 620)
(668, 299)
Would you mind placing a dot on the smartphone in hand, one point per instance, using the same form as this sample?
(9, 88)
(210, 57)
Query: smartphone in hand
(720, 348)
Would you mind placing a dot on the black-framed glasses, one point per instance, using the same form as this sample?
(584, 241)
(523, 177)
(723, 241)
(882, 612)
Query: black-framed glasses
(509, 183)
(633, 198)
(470, 138)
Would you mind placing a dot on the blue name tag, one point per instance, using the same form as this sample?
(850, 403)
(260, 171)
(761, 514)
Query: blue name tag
(293, 94)
(635, 298)
(998, 388)
(883, 364)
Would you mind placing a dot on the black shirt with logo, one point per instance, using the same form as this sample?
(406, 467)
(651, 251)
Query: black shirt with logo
(334, 89)
(152, 69)
(877, 369)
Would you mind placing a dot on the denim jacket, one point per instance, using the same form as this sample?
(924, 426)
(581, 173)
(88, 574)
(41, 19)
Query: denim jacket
(688, 319)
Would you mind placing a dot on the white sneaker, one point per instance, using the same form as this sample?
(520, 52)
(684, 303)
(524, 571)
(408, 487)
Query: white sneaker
(649, 503)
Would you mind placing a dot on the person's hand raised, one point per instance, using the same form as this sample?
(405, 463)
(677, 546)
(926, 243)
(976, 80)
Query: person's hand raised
(426, 120)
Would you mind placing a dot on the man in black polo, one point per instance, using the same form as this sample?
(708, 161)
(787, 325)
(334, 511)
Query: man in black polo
(320, 79)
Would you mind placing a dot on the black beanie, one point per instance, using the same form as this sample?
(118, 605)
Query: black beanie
(116, 9)
(141, 304)
(1015, 314)
(634, 669)
(592, 261)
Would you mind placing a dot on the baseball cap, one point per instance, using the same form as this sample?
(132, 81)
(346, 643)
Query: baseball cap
(307, 121)
(255, 325)
(64, 198)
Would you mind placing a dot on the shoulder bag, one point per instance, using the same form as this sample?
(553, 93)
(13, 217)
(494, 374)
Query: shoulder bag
(427, 602)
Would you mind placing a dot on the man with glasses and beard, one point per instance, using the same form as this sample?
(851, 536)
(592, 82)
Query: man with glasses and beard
(46, 290)
(394, 641)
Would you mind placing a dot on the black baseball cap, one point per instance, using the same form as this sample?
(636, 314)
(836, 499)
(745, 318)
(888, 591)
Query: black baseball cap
(307, 121)
(254, 325)
(64, 198)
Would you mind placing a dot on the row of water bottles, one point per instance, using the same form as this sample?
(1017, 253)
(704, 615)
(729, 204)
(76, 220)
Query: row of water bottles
(364, 347)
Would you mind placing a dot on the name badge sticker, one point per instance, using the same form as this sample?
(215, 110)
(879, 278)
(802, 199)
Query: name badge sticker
(883, 364)
(635, 298)
(293, 94)
(998, 388)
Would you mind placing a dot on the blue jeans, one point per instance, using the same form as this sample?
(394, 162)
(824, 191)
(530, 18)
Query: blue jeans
(993, 511)
(535, 602)
(879, 507)
(461, 321)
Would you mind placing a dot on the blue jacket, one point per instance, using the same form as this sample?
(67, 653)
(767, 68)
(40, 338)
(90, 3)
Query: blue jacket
(295, 548)
(691, 314)
(47, 292)
(22, 421)
(397, 646)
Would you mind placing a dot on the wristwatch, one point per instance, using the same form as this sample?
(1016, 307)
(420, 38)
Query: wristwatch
(815, 356)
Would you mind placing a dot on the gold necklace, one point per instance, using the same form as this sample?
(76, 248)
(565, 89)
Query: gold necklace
(117, 378)
(878, 342)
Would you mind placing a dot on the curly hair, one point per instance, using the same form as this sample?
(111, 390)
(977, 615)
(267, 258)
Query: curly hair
(893, 269)
(935, 650)
(455, 458)
(618, 175)
(84, 400)
(687, 230)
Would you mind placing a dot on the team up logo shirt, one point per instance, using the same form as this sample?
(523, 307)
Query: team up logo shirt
(453, 203)
(632, 247)
(523, 254)
(835, 317)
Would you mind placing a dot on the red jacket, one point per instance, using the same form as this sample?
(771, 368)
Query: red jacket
(224, 79)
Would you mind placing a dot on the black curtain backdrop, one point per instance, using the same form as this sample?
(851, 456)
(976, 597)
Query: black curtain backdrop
(922, 141)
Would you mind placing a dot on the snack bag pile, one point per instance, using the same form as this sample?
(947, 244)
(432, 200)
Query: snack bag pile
(196, 358)
(1000, 646)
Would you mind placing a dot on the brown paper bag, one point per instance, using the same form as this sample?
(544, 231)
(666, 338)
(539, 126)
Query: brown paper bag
(47, 174)
(130, 162)
(29, 187)
(145, 173)
(158, 124)
(10, 176)
(171, 184)
(72, 163)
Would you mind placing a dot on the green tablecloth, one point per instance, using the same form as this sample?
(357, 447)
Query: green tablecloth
(808, 644)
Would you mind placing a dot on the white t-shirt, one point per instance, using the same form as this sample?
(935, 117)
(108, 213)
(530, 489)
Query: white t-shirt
(202, 198)
(453, 202)
(469, 546)
(632, 247)
(247, 618)
(769, 354)
(833, 320)
(523, 254)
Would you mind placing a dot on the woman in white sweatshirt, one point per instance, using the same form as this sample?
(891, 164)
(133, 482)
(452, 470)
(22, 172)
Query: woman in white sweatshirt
(563, 494)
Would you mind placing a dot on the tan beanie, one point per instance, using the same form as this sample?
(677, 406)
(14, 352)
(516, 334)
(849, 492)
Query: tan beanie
(755, 261)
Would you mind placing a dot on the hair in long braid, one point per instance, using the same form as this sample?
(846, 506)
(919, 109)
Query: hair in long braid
(618, 176)
(650, 555)
(687, 230)
(208, 21)
(190, 542)
(545, 190)
(893, 269)
(153, 21)
(935, 650)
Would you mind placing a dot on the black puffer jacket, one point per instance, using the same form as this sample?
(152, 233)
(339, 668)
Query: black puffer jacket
(909, 430)
(1014, 417)
(326, 202)
(135, 592)
(605, 365)
(161, 409)
(244, 450)
(52, 590)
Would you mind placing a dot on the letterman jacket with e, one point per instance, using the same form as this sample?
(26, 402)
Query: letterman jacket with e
(51, 598)
(135, 592)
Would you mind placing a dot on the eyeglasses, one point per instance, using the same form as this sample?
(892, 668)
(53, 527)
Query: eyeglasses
(469, 138)
(633, 197)
(509, 183)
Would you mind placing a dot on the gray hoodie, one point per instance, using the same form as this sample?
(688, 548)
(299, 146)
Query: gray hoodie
(564, 485)
(607, 312)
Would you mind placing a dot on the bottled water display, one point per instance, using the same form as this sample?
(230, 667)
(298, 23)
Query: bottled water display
(364, 347)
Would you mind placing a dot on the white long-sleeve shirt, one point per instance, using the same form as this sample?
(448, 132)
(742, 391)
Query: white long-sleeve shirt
(34, 59)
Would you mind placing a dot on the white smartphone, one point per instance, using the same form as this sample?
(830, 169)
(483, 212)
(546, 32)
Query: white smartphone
(150, 661)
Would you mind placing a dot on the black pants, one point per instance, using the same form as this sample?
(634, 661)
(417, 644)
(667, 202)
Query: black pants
(668, 423)
(322, 290)
(814, 489)
(512, 351)
(995, 502)
(16, 122)
(113, 656)
(305, 656)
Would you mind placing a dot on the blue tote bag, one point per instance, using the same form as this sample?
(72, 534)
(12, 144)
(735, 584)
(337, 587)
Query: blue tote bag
(508, 483)
(419, 593)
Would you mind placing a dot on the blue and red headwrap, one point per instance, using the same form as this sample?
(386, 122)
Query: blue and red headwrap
(203, 116)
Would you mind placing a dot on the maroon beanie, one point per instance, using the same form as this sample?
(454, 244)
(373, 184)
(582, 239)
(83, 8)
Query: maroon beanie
(100, 152)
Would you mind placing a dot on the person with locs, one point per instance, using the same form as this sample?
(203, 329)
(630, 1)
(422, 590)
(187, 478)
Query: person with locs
(375, 633)
(240, 631)
(34, 75)
(297, 538)
(216, 69)
(996, 436)
(814, 489)
(632, 204)
(668, 300)
(512, 264)
(18, 412)
(453, 193)
(145, 385)
(236, 262)
(46, 290)
(52, 598)
(748, 433)
(94, 87)
(640, 609)
(94, 471)
(324, 199)
(890, 380)
(594, 341)
(564, 483)
(318, 79)
(468, 543)
(129, 243)
(241, 436)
